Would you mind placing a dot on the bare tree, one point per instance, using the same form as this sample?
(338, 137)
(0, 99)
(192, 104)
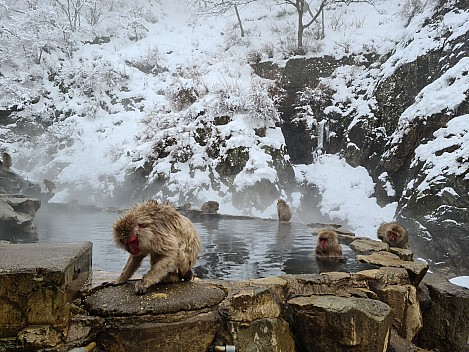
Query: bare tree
(303, 7)
(72, 9)
(219, 7)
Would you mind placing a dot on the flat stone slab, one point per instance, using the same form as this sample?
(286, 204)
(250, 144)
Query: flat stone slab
(29, 257)
(366, 245)
(160, 299)
(416, 270)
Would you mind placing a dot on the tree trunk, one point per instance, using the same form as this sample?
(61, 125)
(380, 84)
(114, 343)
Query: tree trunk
(239, 21)
(300, 4)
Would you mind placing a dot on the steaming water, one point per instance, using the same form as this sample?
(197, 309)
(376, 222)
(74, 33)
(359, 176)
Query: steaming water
(232, 249)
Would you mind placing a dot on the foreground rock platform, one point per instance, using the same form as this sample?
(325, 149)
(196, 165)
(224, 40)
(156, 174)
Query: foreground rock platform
(37, 284)
(387, 308)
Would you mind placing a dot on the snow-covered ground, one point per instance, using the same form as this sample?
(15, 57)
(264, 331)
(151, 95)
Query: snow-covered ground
(90, 151)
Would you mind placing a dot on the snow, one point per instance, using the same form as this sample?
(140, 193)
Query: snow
(462, 281)
(118, 111)
(346, 194)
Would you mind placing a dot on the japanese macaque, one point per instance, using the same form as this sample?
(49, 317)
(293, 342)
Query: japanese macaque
(393, 234)
(159, 231)
(328, 252)
(283, 210)
(210, 207)
(7, 160)
(50, 186)
(328, 244)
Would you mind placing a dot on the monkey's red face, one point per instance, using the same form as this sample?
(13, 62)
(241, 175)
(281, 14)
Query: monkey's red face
(323, 243)
(392, 236)
(132, 245)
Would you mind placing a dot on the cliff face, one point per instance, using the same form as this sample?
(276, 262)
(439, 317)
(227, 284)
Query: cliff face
(404, 120)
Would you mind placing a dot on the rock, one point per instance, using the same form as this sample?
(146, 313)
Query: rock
(16, 217)
(37, 284)
(160, 299)
(403, 253)
(407, 317)
(367, 245)
(331, 323)
(267, 334)
(250, 303)
(399, 344)
(416, 270)
(445, 310)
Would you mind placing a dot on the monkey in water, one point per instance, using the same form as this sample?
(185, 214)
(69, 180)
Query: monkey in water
(159, 231)
(50, 186)
(328, 244)
(210, 207)
(328, 252)
(7, 160)
(283, 211)
(394, 235)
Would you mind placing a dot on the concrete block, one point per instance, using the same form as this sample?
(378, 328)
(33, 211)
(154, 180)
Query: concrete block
(37, 283)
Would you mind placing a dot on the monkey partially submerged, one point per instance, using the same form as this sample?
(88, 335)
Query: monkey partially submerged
(394, 235)
(328, 252)
(328, 244)
(169, 238)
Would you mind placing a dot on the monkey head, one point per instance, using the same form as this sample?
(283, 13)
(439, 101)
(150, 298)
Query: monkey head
(328, 243)
(133, 230)
(281, 203)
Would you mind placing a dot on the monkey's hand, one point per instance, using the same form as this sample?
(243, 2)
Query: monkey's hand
(140, 288)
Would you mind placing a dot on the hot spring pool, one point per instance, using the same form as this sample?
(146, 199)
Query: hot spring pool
(232, 249)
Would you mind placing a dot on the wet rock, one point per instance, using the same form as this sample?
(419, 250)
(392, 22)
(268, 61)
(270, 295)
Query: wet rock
(331, 323)
(39, 336)
(416, 270)
(445, 310)
(160, 299)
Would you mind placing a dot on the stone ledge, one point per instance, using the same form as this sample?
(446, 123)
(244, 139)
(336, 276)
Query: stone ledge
(38, 282)
(160, 299)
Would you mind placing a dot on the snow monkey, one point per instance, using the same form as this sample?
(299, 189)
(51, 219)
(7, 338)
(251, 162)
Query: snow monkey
(50, 186)
(210, 207)
(283, 210)
(157, 230)
(7, 160)
(328, 244)
(393, 234)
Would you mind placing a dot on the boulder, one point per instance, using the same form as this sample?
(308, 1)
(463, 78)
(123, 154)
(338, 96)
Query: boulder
(16, 217)
(332, 323)
(445, 310)
(416, 270)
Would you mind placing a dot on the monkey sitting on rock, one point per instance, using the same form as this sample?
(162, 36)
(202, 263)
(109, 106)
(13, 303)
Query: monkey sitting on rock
(160, 232)
(394, 235)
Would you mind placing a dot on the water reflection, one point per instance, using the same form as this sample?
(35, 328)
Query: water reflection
(232, 249)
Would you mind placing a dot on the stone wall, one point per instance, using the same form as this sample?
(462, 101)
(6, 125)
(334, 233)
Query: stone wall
(395, 307)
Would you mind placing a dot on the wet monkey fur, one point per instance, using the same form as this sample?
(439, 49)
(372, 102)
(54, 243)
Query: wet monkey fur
(160, 232)
(328, 245)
